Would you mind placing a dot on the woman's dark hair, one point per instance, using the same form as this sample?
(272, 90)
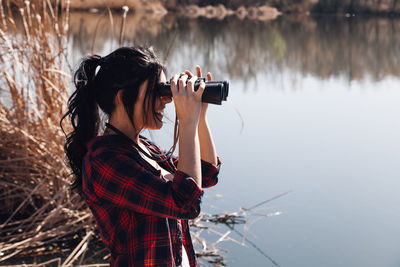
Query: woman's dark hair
(124, 69)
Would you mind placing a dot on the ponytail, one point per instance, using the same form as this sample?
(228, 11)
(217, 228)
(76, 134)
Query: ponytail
(84, 115)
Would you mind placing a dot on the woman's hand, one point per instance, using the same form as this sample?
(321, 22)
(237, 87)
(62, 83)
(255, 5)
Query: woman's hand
(207, 147)
(187, 101)
(204, 106)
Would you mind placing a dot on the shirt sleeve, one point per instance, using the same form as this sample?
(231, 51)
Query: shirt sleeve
(209, 172)
(118, 179)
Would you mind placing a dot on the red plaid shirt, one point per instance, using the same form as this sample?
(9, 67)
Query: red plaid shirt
(142, 216)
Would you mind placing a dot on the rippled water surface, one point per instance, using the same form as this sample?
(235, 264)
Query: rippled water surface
(313, 109)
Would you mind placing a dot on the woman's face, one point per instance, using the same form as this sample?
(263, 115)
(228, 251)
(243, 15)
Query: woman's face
(159, 106)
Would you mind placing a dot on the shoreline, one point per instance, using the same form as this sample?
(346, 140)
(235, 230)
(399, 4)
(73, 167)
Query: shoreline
(253, 9)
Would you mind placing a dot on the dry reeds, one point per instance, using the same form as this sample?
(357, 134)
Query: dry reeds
(38, 208)
(210, 251)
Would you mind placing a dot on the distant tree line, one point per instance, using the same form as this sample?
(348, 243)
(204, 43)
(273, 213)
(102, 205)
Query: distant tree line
(357, 6)
(315, 6)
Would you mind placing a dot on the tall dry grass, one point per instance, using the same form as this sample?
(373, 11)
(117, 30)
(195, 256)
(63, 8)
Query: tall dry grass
(37, 207)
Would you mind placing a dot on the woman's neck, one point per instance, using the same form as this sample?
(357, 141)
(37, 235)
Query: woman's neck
(126, 128)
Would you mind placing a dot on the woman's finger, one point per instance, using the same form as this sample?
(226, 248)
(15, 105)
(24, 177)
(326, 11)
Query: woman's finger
(174, 85)
(209, 77)
(189, 73)
(182, 84)
(190, 84)
(198, 71)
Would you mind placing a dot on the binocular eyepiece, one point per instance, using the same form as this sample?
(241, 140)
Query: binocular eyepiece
(214, 93)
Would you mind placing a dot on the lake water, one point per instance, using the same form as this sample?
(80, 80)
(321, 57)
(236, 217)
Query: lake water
(313, 109)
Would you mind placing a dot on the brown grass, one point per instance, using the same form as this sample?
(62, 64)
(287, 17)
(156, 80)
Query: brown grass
(37, 207)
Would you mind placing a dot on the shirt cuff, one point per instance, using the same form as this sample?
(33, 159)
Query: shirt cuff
(187, 193)
(210, 173)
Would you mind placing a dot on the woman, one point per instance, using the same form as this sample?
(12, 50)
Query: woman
(141, 199)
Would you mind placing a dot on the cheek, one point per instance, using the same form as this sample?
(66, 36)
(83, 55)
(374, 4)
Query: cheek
(144, 117)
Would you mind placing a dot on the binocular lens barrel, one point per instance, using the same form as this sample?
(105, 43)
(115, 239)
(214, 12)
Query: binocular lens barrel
(214, 93)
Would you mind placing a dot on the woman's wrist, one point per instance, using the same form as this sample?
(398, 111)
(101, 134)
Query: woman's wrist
(203, 115)
(207, 148)
(188, 124)
(203, 123)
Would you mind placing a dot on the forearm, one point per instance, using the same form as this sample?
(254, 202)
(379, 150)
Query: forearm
(189, 152)
(207, 147)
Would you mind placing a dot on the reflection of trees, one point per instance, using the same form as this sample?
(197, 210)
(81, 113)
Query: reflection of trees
(86, 27)
(355, 47)
(238, 48)
(357, 6)
(324, 47)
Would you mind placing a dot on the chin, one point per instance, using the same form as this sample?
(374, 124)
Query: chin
(156, 126)
(159, 126)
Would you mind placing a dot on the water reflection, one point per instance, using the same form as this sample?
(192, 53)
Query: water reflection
(351, 48)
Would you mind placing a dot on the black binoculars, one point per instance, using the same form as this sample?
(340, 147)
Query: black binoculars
(214, 93)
